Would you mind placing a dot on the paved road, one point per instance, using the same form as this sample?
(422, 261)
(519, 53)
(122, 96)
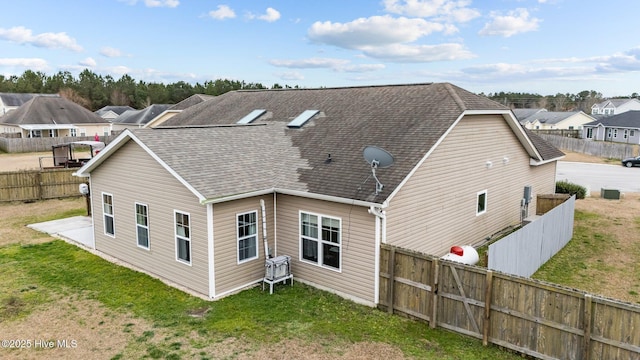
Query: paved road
(597, 176)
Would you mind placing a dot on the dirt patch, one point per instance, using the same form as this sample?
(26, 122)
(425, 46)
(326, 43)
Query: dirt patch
(579, 157)
(72, 329)
(30, 161)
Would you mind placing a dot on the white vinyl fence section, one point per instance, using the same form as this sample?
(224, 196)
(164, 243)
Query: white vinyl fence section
(525, 250)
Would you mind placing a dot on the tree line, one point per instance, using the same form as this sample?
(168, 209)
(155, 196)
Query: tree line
(95, 91)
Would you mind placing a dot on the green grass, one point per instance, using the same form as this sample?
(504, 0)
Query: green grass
(36, 274)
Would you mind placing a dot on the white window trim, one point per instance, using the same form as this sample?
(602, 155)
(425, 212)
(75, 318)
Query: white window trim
(105, 215)
(188, 239)
(135, 211)
(320, 241)
(246, 237)
(486, 197)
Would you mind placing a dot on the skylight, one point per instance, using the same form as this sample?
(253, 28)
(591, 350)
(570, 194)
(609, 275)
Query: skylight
(251, 116)
(302, 118)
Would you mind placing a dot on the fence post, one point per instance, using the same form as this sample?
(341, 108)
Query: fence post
(434, 292)
(587, 326)
(391, 270)
(487, 308)
(39, 183)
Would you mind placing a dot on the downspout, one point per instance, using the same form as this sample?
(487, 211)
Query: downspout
(264, 229)
(380, 237)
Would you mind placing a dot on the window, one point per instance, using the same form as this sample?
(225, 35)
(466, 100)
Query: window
(589, 133)
(247, 236)
(73, 132)
(615, 133)
(609, 133)
(183, 237)
(107, 210)
(632, 133)
(626, 134)
(320, 240)
(142, 225)
(83, 132)
(481, 202)
(105, 131)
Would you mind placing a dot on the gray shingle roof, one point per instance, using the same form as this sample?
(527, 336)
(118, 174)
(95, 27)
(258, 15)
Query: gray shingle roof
(114, 108)
(406, 120)
(522, 114)
(190, 101)
(141, 117)
(628, 119)
(50, 110)
(550, 117)
(17, 99)
(243, 159)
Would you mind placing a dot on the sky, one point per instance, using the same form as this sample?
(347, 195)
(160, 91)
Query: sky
(484, 46)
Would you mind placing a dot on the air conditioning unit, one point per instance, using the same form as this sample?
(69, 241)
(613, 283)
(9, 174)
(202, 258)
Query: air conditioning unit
(612, 194)
(277, 268)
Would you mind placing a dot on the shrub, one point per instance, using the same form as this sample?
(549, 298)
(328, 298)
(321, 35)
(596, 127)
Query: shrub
(565, 187)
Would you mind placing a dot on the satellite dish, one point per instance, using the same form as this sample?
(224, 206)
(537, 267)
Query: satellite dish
(377, 158)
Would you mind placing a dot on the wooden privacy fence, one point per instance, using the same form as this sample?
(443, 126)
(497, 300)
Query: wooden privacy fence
(532, 317)
(29, 185)
(606, 149)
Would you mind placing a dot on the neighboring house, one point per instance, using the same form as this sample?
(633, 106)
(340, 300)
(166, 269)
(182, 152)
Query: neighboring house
(133, 119)
(615, 106)
(12, 101)
(522, 114)
(111, 112)
(186, 203)
(52, 116)
(551, 120)
(178, 108)
(623, 128)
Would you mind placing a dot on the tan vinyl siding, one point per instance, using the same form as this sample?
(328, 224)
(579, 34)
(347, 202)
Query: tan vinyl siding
(357, 278)
(131, 176)
(229, 274)
(436, 208)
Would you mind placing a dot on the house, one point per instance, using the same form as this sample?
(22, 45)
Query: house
(623, 128)
(132, 119)
(110, 112)
(551, 120)
(177, 108)
(322, 175)
(615, 106)
(12, 101)
(52, 116)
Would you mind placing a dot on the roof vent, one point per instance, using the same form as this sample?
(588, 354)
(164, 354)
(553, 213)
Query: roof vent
(299, 121)
(251, 116)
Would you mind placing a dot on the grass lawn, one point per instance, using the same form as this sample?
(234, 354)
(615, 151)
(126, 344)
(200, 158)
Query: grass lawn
(56, 291)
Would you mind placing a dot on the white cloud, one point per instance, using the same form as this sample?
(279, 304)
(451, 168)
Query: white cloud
(34, 64)
(271, 15)
(515, 22)
(110, 52)
(88, 62)
(22, 35)
(373, 31)
(223, 12)
(419, 53)
(338, 65)
(453, 10)
(312, 63)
